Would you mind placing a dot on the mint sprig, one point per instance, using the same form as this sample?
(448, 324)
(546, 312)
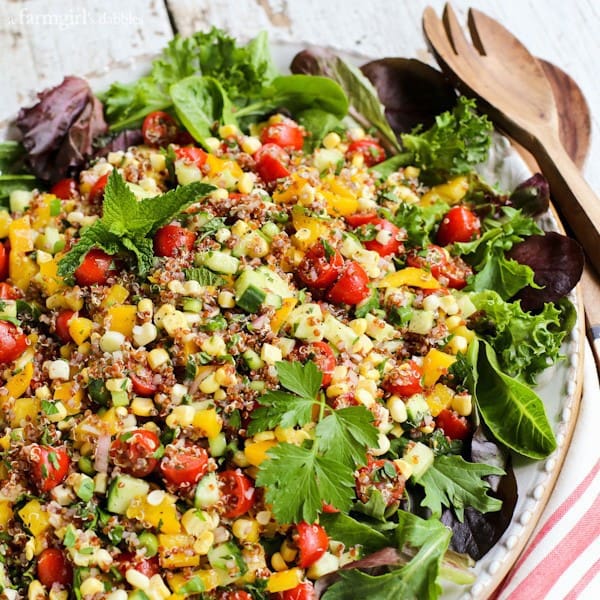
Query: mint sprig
(127, 224)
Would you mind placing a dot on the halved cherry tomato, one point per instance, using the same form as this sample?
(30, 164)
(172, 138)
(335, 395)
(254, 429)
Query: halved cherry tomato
(312, 541)
(453, 425)
(450, 271)
(141, 382)
(54, 567)
(184, 466)
(96, 195)
(382, 475)
(404, 380)
(4, 256)
(62, 325)
(145, 566)
(351, 287)
(370, 226)
(303, 591)
(371, 150)
(323, 356)
(458, 225)
(95, 268)
(159, 129)
(319, 268)
(192, 155)
(49, 466)
(13, 342)
(271, 161)
(8, 292)
(136, 452)
(286, 133)
(65, 188)
(237, 492)
(171, 240)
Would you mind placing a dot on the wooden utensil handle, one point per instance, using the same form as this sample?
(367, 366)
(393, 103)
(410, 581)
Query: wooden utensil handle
(571, 194)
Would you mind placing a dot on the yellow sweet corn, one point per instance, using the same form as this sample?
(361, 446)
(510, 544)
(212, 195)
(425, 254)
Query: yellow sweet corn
(411, 276)
(435, 364)
(176, 551)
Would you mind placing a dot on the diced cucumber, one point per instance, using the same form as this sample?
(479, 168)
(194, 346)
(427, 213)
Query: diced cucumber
(8, 309)
(253, 360)
(207, 491)
(192, 305)
(123, 489)
(220, 262)
(227, 559)
(417, 409)
(217, 445)
(260, 281)
(350, 245)
(465, 304)
(251, 298)
(187, 173)
(19, 200)
(378, 329)
(247, 241)
(421, 322)
(84, 488)
(306, 322)
(325, 158)
(120, 398)
(340, 335)
(137, 595)
(419, 457)
(97, 391)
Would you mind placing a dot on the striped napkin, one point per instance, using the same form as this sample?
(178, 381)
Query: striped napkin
(562, 559)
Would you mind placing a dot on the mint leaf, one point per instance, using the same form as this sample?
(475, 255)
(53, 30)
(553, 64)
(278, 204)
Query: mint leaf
(302, 379)
(316, 479)
(120, 207)
(453, 482)
(345, 434)
(203, 276)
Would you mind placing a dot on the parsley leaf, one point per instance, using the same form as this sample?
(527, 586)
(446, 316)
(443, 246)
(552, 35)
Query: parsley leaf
(453, 482)
(316, 479)
(304, 380)
(126, 223)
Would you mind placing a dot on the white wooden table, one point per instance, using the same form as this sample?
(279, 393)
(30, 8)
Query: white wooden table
(43, 40)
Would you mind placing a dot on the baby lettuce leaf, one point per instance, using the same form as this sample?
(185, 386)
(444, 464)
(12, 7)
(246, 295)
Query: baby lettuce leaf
(318, 123)
(455, 483)
(512, 411)
(417, 579)
(352, 532)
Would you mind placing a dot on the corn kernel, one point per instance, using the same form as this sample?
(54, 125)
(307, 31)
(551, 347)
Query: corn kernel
(462, 404)
(278, 563)
(176, 287)
(270, 354)
(331, 140)
(288, 552)
(137, 579)
(91, 586)
(449, 305)
(431, 303)
(397, 409)
(226, 299)
(263, 436)
(36, 591)
(181, 415)
(359, 326)
(144, 334)
(204, 542)
(214, 345)
(239, 228)
(250, 144)
(453, 322)
(458, 344)
(142, 407)
(58, 369)
(383, 445)
(226, 131)
(246, 183)
(112, 341)
(145, 306)
(192, 288)
(117, 595)
(209, 385)
(337, 389)
(157, 590)
(220, 194)
(213, 143)
(245, 530)
(174, 322)
(157, 358)
(365, 397)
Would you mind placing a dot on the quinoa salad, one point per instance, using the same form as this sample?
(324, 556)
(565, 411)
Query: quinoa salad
(280, 353)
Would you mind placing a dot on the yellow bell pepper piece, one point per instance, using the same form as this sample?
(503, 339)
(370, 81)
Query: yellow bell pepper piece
(226, 172)
(116, 295)
(21, 269)
(122, 318)
(70, 395)
(176, 551)
(284, 580)
(294, 190)
(80, 329)
(256, 452)
(208, 577)
(25, 410)
(451, 192)
(41, 214)
(435, 364)
(208, 421)
(49, 278)
(17, 385)
(282, 313)
(34, 517)
(411, 276)
(340, 205)
(6, 513)
(308, 229)
(163, 516)
(439, 398)
(5, 221)
(21, 235)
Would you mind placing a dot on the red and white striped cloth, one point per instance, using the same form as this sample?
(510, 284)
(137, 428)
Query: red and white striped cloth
(562, 559)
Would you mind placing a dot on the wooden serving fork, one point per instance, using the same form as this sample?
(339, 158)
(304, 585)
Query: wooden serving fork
(513, 89)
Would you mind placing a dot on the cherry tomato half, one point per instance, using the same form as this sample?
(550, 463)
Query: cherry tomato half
(453, 425)
(95, 268)
(4, 260)
(145, 566)
(136, 452)
(458, 225)
(184, 466)
(319, 268)
(404, 380)
(303, 591)
(142, 382)
(9, 292)
(351, 287)
(382, 475)
(65, 188)
(371, 226)
(286, 133)
(450, 271)
(371, 150)
(324, 357)
(13, 342)
(170, 240)
(96, 195)
(62, 325)
(237, 492)
(49, 466)
(312, 542)
(54, 567)
(159, 129)
(271, 161)
(192, 155)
